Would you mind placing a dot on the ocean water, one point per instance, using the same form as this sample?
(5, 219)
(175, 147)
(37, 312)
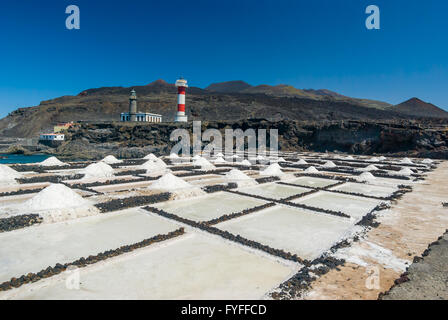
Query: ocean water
(20, 158)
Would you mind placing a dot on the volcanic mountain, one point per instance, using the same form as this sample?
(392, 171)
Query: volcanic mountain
(230, 101)
(419, 108)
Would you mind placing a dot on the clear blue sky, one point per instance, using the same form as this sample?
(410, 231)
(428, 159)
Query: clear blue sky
(308, 44)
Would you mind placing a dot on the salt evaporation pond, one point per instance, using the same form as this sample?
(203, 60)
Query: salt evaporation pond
(313, 182)
(294, 230)
(193, 266)
(210, 206)
(274, 191)
(354, 206)
(367, 189)
(35, 248)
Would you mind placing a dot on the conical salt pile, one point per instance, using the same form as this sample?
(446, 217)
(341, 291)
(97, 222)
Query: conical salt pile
(173, 156)
(406, 161)
(301, 161)
(259, 157)
(98, 170)
(111, 160)
(382, 158)
(155, 167)
(405, 172)
(236, 174)
(150, 156)
(427, 161)
(273, 170)
(311, 170)
(371, 168)
(219, 160)
(52, 161)
(204, 164)
(365, 177)
(373, 160)
(220, 155)
(8, 175)
(349, 158)
(170, 182)
(55, 196)
(328, 164)
(245, 163)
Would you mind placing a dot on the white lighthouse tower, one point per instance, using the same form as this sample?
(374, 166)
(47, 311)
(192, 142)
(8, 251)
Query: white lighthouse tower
(181, 85)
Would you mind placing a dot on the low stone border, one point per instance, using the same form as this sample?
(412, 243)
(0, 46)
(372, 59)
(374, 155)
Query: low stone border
(292, 204)
(130, 172)
(229, 236)
(323, 176)
(267, 179)
(119, 204)
(51, 179)
(20, 192)
(83, 262)
(220, 187)
(19, 222)
(369, 219)
(227, 217)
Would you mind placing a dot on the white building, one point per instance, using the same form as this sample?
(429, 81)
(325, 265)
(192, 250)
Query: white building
(52, 137)
(135, 116)
(142, 117)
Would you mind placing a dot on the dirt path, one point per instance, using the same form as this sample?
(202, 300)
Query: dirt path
(382, 256)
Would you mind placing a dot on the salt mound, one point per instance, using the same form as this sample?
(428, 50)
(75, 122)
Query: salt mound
(154, 167)
(405, 172)
(328, 164)
(235, 156)
(406, 161)
(170, 182)
(301, 161)
(365, 177)
(8, 175)
(111, 160)
(197, 157)
(52, 161)
(150, 156)
(236, 174)
(55, 196)
(382, 158)
(219, 160)
(373, 160)
(349, 158)
(173, 156)
(311, 170)
(427, 161)
(220, 155)
(98, 170)
(273, 170)
(204, 164)
(259, 157)
(245, 163)
(371, 168)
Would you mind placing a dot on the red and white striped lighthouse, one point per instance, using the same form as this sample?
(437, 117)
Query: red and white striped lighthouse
(181, 85)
